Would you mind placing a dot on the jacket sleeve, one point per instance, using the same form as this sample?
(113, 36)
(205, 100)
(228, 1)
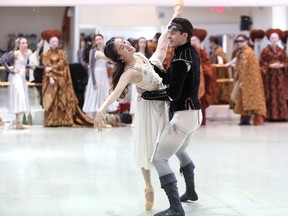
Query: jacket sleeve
(7, 58)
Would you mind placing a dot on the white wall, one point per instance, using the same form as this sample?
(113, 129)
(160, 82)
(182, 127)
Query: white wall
(104, 17)
(110, 20)
(262, 17)
(226, 22)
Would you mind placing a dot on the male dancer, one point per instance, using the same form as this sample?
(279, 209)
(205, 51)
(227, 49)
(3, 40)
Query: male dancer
(185, 115)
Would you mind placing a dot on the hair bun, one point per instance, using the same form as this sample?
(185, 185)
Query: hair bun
(48, 34)
(200, 33)
(256, 34)
(271, 30)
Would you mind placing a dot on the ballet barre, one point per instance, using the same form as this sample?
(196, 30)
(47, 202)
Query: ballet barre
(222, 80)
(30, 84)
(5, 84)
(2, 68)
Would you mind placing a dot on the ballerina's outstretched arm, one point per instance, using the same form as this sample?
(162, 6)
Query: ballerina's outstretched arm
(163, 41)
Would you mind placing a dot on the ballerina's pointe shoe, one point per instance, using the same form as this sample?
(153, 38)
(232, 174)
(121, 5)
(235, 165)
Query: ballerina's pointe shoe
(149, 196)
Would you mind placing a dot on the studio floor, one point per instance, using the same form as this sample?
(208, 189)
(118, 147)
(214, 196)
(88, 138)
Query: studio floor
(240, 171)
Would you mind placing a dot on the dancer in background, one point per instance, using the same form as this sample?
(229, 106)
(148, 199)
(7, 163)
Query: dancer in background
(18, 101)
(217, 56)
(97, 89)
(250, 100)
(81, 54)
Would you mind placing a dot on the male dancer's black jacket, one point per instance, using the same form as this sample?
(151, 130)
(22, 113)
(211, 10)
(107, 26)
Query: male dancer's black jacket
(182, 78)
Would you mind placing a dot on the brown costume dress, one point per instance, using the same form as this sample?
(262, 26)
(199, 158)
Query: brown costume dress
(223, 89)
(275, 83)
(206, 72)
(250, 99)
(59, 101)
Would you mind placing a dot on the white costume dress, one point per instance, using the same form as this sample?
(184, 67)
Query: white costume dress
(133, 101)
(18, 101)
(151, 116)
(95, 97)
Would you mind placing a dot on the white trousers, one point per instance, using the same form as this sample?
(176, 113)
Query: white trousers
(175, 139)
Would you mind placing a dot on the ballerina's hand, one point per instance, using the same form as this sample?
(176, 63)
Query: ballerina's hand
(100, 121)
(178, 7)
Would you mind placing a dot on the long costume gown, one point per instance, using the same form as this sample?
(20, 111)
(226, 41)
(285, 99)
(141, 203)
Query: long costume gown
(151, 116)
(251, 99)
(275, 82)
(59, 101)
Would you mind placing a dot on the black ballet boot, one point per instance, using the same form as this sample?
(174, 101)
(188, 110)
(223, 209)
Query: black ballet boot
(245, 120)
(169, 184)
(188, 172)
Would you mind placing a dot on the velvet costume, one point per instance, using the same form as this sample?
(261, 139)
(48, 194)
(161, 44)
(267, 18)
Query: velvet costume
(275, 83)
(251, 97)
(59, 101)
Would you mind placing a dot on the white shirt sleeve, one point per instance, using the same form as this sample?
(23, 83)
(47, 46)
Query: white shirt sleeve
(220, 60)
